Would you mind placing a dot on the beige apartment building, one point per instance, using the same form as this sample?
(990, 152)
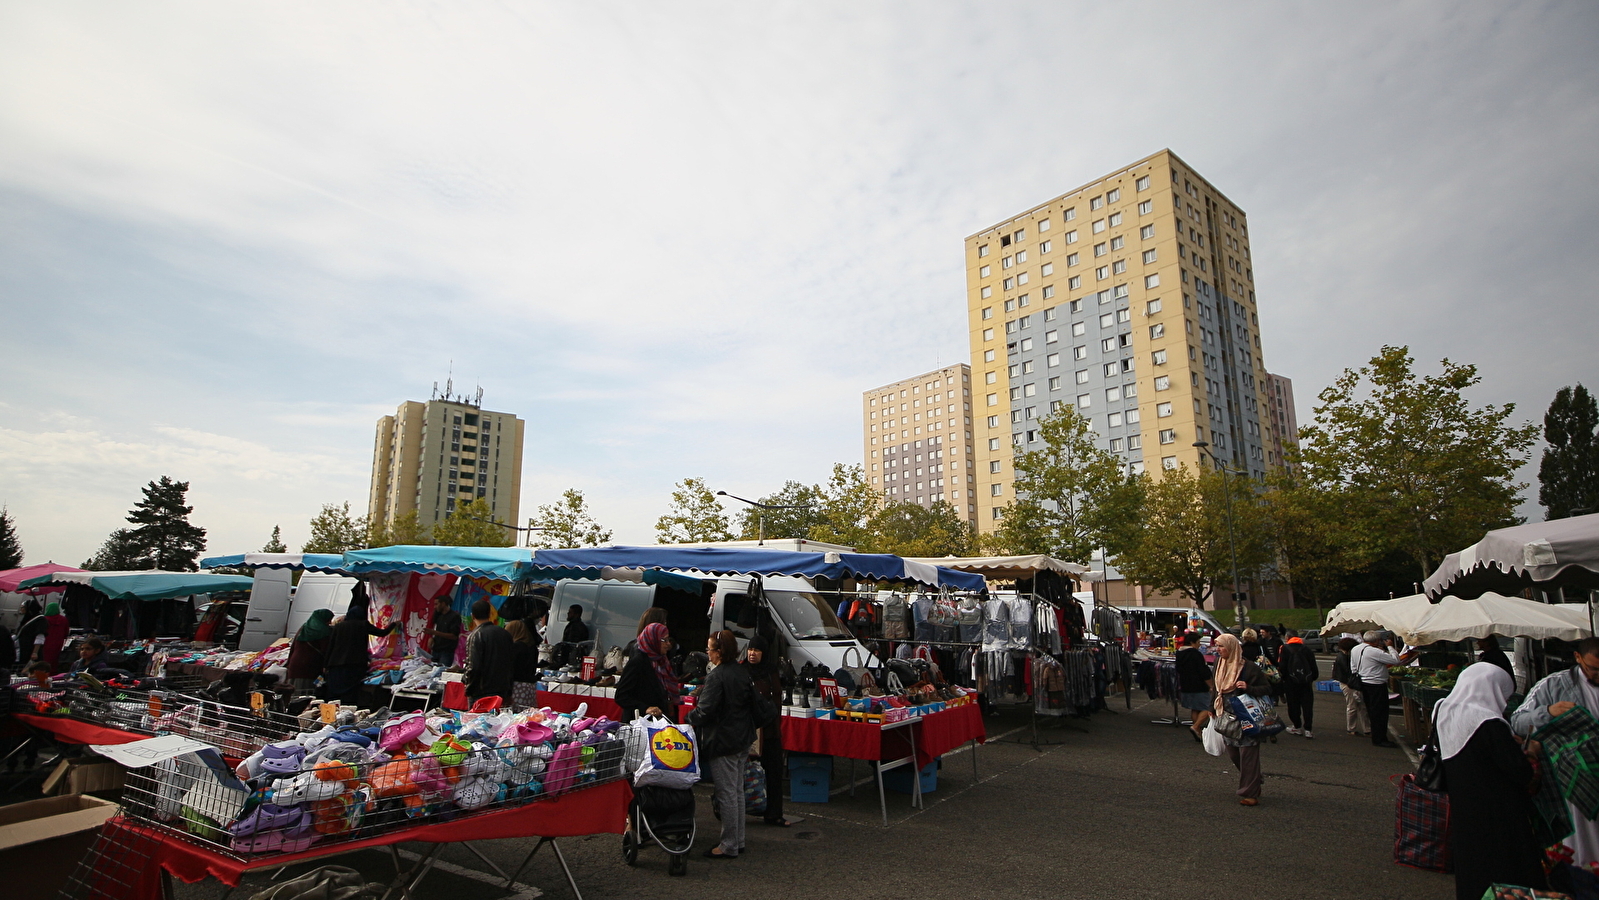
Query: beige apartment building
(1131, 298)
(1281, 422)
(431, 456)
(917, 442)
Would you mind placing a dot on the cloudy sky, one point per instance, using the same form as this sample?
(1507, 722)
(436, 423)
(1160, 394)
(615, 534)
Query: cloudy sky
(680, 239)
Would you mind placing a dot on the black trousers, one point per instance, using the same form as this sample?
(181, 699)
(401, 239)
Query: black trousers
(1301, 704)
(1376, 696)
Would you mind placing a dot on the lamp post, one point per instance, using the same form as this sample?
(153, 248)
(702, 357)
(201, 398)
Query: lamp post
(1239, 607)
(760, 514)
(529, 529)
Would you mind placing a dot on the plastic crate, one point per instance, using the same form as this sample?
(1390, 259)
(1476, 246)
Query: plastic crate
(809, 777)
(900, 779)
(1331, 687)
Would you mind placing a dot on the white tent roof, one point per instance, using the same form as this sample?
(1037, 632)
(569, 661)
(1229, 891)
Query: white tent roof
(1536, 552)
(1419, 622)
(1003, 566)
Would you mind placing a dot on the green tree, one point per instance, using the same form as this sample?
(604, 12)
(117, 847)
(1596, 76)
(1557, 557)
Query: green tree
(806, 510)
(1568, 475)
(275, 543)
(405, 529)
(695, 516)
(119, 553)
(907, 528)
(1183, 546)
(162, 531)
(1416, 466)
(473, 525)
(849, 503)
(566, 523)
(1071, 497)
(1318, 550)
(10, 545)
(334, 530)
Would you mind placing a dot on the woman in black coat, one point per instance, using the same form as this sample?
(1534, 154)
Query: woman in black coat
(348, 655)
(762, 663)
(648, 685)
(724, 722)
(1487, 773)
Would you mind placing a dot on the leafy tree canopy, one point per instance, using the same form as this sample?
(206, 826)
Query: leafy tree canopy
(1416, 466)
(910, 529)
(275, 543)
(473, 525)
(1568, 476)
(162, 536)
(405, 529)
(567, 523)
(849, 503)
(1183, 546)
(10, 544)
(695, 516)
(1071, 497)
(807, 510)
(120, 553)
(334, 530)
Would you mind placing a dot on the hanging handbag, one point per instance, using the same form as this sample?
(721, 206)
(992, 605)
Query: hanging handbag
(1430, 771)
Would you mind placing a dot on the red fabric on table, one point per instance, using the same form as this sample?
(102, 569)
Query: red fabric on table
(832, 737)
(598, 706)
(596, 810)
(945, 730)
(77, 731)
(936, 735)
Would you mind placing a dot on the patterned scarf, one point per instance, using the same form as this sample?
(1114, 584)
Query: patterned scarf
(652, 643)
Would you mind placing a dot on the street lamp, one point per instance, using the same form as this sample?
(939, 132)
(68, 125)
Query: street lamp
(760, 514)
(529, 529)
(1239, 607)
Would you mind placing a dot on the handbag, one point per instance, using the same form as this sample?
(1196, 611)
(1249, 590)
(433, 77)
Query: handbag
(1228, 726)
(754, 787)
(1421, 827)
(1430, 771)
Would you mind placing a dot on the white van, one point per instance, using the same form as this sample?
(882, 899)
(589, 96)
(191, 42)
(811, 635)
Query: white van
(316, 591)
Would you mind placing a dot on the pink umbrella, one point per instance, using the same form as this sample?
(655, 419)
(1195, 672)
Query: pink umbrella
(10, 578)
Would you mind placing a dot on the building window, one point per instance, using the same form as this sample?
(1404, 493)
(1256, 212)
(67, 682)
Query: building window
(1096, 202)
(1162, 382)
(1168, 462)
(993, 400)
(991, 377)
(1051, 337)
(1069, 214)
(1110, 370)
(1043, 225)
(1099, 226)
(1107, 320)
(1027, 367)
(993, 443)
(988, 312)
(1101, 273)
(1113, 196)
(1080, 352)
(1146, 207)
(1152, 281)
(1010, 305)
(1168, 436)
(1112, 394)
(1115, 219)
(1151, 307)
(1046, 246)
(993, 421)
(1027, 344)
(986, 292)
(1049, 291)
(1054, 383)
(1046, 269)
(1074, 283)
(1024, 321)
(1158, 357)
(982, 250)
(1135, 441)
(1009, 283)
(1149, 257)
(1114, 420)
(1071, 237)
(1084, 400)
(988, 334)
(1118, 242)
(1052, 360)
(988, 356)
(1100, 249)
(1142, 183)
(1119, 266)
(1115, 444)
(996, 490)
(1156, 332)
(1021, 278)
(1082, 376)
(1132, 414)
(1162, 410)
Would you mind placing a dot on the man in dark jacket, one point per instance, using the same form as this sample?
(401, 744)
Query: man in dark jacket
(576, 632)
(490, 657)
(1297, 665)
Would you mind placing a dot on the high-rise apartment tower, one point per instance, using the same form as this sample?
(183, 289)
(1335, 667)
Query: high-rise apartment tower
(1131, 298)
(431, 456)
(916, 438)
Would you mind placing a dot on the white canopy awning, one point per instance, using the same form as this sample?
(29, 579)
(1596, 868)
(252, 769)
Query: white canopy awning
(1512, 558)
(1418, 621)
(1003, 567)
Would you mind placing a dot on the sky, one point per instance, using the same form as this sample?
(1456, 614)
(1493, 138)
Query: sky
(682, 239)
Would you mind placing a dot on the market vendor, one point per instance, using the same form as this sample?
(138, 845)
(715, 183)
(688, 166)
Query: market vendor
(1554, 696)
(446, 631)
(348, 652)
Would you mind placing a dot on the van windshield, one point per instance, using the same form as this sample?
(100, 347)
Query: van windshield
(807, 616)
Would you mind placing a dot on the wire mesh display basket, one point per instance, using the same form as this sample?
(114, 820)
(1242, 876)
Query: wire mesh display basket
(343, 791)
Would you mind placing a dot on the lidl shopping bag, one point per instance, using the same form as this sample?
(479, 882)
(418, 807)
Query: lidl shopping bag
(671, 756)
(1255, 715)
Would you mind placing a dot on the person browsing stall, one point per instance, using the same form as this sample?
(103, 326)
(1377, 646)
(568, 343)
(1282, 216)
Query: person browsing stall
(1297, 663)
(308, 652)
(576, 632)
(1194, 682)
(724, 718)
(648, 685)
(490, 657)
(762, 663)
(1370, 661)
(1555, 696)
(91, 657)
(348, 652)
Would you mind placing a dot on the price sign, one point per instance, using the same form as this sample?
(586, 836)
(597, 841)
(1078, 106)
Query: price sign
(328, 712)
(831, 695)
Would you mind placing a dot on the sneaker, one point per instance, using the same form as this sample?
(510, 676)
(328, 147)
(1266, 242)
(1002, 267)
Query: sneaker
(1308, 734)
(1295, 731)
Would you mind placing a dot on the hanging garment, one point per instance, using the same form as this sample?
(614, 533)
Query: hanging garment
(996, 626)
(1021, 624)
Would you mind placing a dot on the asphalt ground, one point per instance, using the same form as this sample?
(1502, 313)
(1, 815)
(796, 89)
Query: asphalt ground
(1108, 807)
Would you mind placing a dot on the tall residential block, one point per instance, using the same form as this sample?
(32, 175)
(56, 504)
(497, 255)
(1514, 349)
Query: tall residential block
(1281, 422)
(1131, 298)
(430, 456)
(917, 441)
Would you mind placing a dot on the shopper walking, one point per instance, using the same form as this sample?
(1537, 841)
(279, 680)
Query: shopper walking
(1236, 675)
(1194, 683)
(490, 657)
(648, 685)
(724, 718)
(348, 653)
(1297, 663)
(308, 652)
(1370, 662)
(1271, 645)
(762, 663)
(1355, 720)
(1251, 643)
(1490, 813)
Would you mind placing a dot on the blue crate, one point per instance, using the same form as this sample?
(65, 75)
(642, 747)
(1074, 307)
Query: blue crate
(809, 777)
(1331, 687)
(900, 779)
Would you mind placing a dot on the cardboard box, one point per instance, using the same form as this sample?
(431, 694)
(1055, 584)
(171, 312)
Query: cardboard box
(41, 842)
(82, 775)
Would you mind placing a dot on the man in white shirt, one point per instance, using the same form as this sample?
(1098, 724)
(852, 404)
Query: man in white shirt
(1370, 661)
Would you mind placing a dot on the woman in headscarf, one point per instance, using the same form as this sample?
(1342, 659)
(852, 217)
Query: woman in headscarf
(762, 663)
(348, 652)
(308, 652)
(1487, 773)
(1236, 675)
(48, 643)
(648, 685)
(524, 640)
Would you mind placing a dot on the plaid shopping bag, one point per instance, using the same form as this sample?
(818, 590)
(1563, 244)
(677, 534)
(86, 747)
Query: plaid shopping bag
(1571, 754)
(1421, 827)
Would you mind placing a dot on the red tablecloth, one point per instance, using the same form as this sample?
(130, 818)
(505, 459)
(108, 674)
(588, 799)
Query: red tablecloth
(936, 735)
(77, 731)
(598, 706)
(596, 810)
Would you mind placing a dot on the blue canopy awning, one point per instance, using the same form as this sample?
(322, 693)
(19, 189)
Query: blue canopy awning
(510, 564)
(309, 562)
(738, 561)
(152, 585)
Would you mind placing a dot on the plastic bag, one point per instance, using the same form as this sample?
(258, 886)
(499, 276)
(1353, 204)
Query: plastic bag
(1214, 743)
(671, 755)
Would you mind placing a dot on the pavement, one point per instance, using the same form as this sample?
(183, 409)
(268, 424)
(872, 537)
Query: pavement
(1108, 807)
